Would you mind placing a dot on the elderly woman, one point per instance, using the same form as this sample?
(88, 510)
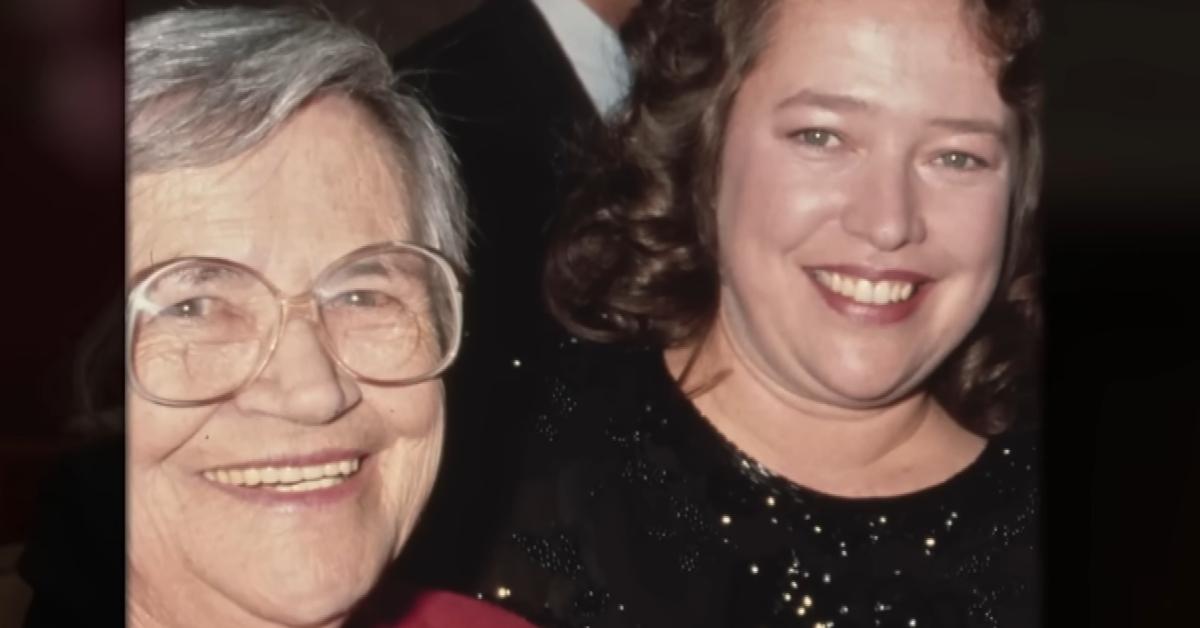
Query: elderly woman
(295, 223)
(810, 262)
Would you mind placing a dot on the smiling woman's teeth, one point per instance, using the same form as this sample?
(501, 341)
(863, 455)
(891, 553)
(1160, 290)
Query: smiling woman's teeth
(864, 291)
(287, 479)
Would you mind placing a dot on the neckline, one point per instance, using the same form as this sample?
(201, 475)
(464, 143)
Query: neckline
(715, 446)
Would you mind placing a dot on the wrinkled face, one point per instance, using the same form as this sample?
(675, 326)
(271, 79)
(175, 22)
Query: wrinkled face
(863, 199)
(360, 458)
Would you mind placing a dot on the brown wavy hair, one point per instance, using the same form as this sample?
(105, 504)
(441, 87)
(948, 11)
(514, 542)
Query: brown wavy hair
(635, 256)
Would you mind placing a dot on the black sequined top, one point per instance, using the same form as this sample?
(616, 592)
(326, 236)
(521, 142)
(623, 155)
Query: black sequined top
(634, 511)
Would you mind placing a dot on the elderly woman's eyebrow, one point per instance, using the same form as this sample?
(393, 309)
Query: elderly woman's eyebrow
(197, 275)
(382, 267)
(201, 274)
(373, 268)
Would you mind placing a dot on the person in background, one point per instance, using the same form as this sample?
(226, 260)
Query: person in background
(296, 234)
(801, 283)
(518, 85)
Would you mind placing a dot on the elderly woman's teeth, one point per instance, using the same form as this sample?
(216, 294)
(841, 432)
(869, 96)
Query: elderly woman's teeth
(287, 479)
(864, 291)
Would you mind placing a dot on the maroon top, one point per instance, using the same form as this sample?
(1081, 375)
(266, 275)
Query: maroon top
(443, 609)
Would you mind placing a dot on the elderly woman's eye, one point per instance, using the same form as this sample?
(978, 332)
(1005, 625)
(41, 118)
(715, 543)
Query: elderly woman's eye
(818, 138)
(363, 299)
(959, 160)
(188, 308)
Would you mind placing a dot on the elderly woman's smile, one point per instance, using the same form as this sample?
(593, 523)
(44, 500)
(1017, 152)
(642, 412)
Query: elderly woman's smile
(290, 480)
(283, 475)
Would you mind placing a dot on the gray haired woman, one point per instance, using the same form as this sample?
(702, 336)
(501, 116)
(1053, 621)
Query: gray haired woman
(295, 228)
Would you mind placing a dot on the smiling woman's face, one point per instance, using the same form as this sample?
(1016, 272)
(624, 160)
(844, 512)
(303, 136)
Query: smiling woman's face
(864, 193)
(204, 550)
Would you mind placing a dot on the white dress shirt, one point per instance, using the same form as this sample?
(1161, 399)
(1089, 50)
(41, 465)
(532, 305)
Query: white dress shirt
(593, 49)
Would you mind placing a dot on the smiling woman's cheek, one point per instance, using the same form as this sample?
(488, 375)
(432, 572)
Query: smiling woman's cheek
(862, 200)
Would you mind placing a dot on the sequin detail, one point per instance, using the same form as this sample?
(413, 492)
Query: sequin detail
(660, 521)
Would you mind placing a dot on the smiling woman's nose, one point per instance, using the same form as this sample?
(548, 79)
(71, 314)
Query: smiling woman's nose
(886, 210)
(301, 382)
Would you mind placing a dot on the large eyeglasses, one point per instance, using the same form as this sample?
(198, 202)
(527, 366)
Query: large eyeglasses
(200, 329)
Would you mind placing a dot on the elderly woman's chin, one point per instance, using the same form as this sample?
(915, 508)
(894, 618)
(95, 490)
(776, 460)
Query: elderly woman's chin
(287, 575)
(315, 594)
(201, 550)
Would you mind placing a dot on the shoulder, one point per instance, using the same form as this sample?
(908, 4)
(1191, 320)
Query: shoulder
(579, 354)
(585, 397)
(1002, 550)
(445, 609)
(584, 385)
(1000, 506)
(587, 362)
(1017, 456)
(1005, 482)
(605, 529)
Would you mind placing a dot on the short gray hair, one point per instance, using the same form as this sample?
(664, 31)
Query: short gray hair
(206, 85)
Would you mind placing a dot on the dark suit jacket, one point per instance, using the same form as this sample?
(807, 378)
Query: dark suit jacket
(508, 99)
(510, 104)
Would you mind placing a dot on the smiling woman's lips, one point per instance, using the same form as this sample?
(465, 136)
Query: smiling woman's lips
(312, 480)
(870, 296)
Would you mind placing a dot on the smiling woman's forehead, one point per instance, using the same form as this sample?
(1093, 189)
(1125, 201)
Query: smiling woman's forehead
(867, 48)
(327, 179)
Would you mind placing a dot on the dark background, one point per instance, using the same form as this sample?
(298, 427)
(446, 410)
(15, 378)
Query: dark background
(62, 176)
(1122, 203)
(1122, 210)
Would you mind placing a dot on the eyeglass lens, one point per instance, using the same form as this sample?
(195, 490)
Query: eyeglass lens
(203, 328)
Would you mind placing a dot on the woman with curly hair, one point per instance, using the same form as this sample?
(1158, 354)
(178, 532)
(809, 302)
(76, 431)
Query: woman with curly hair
(801, 286)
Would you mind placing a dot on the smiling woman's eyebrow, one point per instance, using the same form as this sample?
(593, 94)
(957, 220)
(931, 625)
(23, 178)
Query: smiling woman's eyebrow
(971, 125)
(825, 100)
(843, 102)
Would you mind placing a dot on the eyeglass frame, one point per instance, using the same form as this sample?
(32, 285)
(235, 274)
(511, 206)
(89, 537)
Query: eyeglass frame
(306, 300)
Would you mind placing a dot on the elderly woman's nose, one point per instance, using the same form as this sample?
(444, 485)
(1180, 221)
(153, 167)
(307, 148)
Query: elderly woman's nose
(301, 382)
(886, 208)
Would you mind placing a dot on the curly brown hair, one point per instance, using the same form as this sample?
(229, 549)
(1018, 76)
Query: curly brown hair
(635, 256)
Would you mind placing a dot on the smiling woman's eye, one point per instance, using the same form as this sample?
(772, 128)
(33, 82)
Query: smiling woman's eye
(958, 160)
(817, 138)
